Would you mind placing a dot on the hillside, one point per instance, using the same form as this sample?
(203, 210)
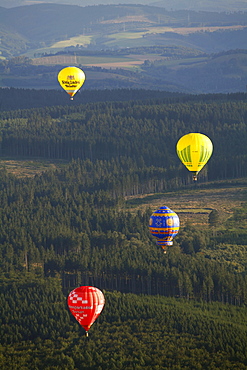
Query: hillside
(124, 46)
(43, 25)
(206, 5)
(155, 68)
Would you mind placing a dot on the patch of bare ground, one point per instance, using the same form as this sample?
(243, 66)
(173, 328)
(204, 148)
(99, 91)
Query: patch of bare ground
(55, 59)
(128, 18)
(195, 205)
(188, 30)
(135, 61)
(27, 168)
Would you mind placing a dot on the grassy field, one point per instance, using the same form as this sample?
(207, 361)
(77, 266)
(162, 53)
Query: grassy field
(128, 61)
(132, 61)
(194, 204)
(88, 60)
(82, 40)
(29, 168)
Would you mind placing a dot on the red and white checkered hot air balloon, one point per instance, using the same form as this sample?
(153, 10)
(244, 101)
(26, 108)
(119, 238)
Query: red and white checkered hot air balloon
(86, 303)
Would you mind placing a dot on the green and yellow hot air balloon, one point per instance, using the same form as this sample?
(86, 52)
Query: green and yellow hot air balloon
(194, 151)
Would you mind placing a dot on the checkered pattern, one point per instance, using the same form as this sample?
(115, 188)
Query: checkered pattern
(86, 303)
(75, 298)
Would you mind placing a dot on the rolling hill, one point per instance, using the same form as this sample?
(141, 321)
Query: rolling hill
(169, 69)
(124, 46)
(209, 5)
(42, 25)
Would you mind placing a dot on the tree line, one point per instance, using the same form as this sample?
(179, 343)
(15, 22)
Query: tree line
(141, 132)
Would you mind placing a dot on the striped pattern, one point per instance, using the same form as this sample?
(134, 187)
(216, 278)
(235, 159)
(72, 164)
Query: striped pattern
(71, 92)
(164, 225)
(194, 150)
(167, 214)
(159, 232)
(205, 154)
(185, 156)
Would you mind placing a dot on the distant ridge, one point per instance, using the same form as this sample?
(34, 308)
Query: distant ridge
(30, 34)
(48, 23)
(204, 5)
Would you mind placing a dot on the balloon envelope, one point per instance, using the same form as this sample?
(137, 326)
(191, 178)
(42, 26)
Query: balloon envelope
(164, 225)
(71, 79)
(86, 303)
(194, 150)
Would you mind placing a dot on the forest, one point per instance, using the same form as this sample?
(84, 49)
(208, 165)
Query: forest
(85, 220)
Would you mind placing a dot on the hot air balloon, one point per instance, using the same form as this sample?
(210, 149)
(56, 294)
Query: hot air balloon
(71, 80)
(164, 225)
(194, 150)
(86, 303)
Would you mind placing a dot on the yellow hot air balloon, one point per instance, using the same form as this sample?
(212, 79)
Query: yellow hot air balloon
(71, 79)
(194, 150)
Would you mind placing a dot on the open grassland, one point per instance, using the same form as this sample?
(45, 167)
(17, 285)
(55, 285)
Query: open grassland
(82, 40)
(55, 59)
(90, 61)
(94, 61)
(29, 168)
(128, 61)
(193, 205)
(161, 30)
(188, 30)
(128, 18)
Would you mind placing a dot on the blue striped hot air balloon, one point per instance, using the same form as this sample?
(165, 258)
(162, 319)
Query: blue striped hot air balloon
(164, 225)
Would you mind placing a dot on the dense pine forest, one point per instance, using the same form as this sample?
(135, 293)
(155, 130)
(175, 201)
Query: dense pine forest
(78, 224)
